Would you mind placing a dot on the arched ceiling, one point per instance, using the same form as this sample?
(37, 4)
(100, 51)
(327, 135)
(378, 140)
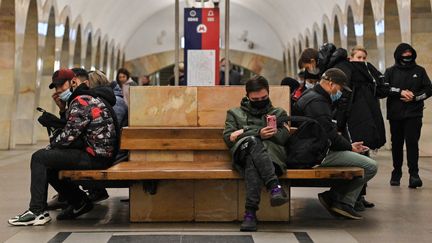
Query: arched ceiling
(120, 19)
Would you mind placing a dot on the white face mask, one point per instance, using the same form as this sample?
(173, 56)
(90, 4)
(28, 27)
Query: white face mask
(309, 85)
(300, 81)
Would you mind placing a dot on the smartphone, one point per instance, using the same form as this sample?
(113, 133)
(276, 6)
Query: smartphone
(271, 121)
(40, 109)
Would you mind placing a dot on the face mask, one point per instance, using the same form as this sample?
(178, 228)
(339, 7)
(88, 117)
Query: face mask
(300, 82)
(222, 69)
(314, 71)
(335, 97)
(260, 104)
(407, 59)
(309, 85)
(65, 95)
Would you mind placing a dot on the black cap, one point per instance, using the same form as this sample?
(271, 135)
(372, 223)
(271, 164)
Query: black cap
(61, 76)
(336, 76)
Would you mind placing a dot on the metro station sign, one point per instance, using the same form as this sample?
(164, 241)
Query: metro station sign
(201, 52)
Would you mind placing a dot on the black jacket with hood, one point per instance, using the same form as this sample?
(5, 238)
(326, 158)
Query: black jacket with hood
(406, 76)
(365, 121)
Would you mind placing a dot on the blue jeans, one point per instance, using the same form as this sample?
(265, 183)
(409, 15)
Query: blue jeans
(348, 191)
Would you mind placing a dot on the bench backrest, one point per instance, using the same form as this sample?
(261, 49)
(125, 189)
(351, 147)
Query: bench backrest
(169, 106)
(184, 123)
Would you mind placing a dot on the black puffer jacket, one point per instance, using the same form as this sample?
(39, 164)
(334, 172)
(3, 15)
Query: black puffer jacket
(406, 77)
(316, 103)
(365, 120)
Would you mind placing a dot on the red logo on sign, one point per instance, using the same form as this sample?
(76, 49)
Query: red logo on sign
(201, 28)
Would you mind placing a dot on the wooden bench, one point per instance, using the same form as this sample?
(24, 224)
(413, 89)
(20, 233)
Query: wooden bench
(193, 164)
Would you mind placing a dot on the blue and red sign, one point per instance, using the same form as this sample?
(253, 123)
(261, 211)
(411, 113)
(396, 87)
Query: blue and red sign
(201, 32)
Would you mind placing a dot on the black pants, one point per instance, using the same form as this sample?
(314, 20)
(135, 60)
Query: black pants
(257, 168)
(408, 131)
(45, 165)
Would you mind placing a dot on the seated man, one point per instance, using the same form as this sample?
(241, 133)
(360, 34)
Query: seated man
(89, 119)
(316, 103)
(257, 149)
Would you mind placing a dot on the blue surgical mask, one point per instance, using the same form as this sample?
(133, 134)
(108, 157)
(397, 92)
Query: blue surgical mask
(65, 95)
(309, 85)
(335, 97)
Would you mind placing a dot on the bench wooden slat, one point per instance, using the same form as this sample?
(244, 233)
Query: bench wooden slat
(174, 138)
(135, 170)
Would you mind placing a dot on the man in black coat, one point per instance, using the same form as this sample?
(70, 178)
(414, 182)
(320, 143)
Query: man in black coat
(409, 87)
(317, 103)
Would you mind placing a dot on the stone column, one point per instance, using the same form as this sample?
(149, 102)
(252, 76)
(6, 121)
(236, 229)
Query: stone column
(7, 69)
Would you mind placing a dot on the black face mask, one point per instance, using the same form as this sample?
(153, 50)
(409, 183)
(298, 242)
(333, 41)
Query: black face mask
(260, 104)
(407, 59)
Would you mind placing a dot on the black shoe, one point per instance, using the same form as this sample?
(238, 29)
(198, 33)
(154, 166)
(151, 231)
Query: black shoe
(57, 202)
(97, 195)
(327, 201)
(359, 206)
(366, 203)
(249, 223)
(345, 210)
(278, 196)
(395, 178)
(72, 212)
(415, 181)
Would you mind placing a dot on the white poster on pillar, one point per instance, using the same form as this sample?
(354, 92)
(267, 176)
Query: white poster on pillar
(201, 67)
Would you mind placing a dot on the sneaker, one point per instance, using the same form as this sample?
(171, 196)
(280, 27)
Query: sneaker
(345, 210)
(395, 178)
(28, 218)
(278, 196)
(97, 195)
(415, 181)
(249, 223)
(72, 212)
(57, 202)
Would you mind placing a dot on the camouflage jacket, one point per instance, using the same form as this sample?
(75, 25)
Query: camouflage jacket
(89, 118)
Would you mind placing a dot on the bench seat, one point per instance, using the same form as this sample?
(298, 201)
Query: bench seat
(178, 170)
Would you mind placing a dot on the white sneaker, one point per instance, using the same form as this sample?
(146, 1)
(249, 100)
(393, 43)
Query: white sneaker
(28, 218)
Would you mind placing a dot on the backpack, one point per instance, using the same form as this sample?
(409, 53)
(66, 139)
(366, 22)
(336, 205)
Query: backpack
(308, 146)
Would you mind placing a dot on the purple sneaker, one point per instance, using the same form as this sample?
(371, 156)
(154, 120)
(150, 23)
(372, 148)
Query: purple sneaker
(249, 223)
(278, 196)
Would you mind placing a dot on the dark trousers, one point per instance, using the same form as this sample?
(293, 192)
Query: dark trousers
(257, 168)
(408, 131)
(45, 165)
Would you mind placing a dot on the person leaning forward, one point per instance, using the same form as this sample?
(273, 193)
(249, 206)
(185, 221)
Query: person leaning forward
(316, 103)
(88, 118)
(257, 149)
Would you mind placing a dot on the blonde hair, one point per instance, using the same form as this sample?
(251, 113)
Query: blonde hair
(98, 78)
(358, 48)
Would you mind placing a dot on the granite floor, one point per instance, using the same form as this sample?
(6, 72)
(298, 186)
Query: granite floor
(401, 214)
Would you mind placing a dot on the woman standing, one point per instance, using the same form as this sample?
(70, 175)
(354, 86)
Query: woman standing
(409, 87)
(365, 120)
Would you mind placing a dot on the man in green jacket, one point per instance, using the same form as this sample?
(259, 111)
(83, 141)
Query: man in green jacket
(257, 149)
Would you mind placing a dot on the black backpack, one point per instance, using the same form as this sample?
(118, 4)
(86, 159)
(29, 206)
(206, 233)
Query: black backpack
(308, 146)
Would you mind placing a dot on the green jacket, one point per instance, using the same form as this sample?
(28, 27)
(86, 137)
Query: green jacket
(252, 121)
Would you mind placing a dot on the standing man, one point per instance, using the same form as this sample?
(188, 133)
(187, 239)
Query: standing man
(409, 87)
(316, 103)
(234, 76)
(258, 149)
